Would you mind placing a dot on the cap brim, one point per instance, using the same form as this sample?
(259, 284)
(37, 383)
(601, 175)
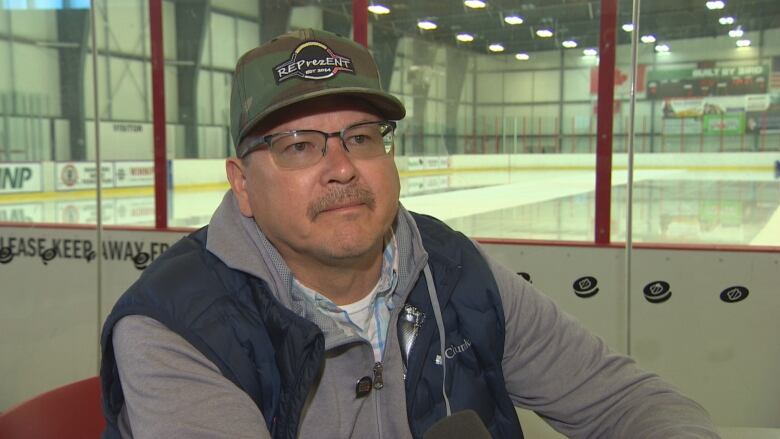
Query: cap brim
(388, 105)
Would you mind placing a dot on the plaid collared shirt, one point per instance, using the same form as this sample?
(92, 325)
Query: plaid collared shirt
(368, 317)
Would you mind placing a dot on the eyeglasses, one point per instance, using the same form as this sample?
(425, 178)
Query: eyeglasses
(303, 148)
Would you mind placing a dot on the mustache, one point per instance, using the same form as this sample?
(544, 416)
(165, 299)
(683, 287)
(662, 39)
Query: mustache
(341, 196)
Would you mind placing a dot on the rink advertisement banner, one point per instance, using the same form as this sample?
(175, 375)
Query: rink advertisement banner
(133, 211)
(85, 211)
(21, 213)
(427, 163)
(716, 81)
(425, 184)
(20, 177)
(698, 107)
(727, 124)
(82, 175)
(730, 124)
(134, 174)
(683, 108)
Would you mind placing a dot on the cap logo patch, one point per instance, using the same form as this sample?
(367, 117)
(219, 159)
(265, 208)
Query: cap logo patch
(313, 60)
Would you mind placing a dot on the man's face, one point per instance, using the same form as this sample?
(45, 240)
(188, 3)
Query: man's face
(334, 212)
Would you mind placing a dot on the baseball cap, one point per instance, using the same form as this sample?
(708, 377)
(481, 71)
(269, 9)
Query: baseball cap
(298, 66)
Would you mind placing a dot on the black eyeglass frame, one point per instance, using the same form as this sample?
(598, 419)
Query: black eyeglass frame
(257, 143)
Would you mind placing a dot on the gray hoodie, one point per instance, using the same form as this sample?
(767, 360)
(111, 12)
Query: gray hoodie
(551, 364)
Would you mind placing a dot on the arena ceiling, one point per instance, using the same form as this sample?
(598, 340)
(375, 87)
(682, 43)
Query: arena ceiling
(576, 20)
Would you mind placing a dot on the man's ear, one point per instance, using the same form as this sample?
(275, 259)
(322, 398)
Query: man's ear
(236, 174)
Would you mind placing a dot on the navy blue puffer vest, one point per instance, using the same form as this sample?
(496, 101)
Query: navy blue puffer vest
(274, 355)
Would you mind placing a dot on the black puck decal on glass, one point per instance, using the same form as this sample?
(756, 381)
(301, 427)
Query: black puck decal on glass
(734, 294)
(657, 291)
(586, 286)
(48, 254)
(525, 276)
(6, 255)
(141, 260)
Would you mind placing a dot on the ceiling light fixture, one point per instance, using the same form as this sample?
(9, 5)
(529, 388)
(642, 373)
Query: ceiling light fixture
(726, 20)
(464, 37)
(743, 43)
(736, 33)
(513, 19)
(522, 56)
(569, 44)
(662, 48)
(544, 33)
(496, 47)
(715, 4)
(590, 52)
(379, 9)
(475, 4)
(426, 25)
(647, 39)
(628, 27)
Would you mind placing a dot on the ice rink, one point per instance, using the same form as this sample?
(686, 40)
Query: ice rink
(689, 207)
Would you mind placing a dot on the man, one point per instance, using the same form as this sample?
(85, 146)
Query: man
(313, 304)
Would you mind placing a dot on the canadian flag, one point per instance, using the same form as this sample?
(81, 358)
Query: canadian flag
(622, 84)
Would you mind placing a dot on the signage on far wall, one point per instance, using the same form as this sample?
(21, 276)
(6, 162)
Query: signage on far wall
(715, 81)
(714, 105)
(730, 124)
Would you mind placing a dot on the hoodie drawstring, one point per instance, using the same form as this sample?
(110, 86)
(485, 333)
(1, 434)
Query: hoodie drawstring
(440, 326)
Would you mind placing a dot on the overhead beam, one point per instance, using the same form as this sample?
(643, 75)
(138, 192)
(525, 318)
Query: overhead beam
(274, 18)
(73, 27)
(191, 20)
(384, 48)
(339, 22)
(419, 76)
(455, 77)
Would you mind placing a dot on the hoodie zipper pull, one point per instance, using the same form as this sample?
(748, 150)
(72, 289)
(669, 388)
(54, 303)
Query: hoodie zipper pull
(378, 383)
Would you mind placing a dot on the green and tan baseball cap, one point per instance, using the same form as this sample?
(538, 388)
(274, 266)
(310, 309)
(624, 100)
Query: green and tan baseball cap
(301, 65)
